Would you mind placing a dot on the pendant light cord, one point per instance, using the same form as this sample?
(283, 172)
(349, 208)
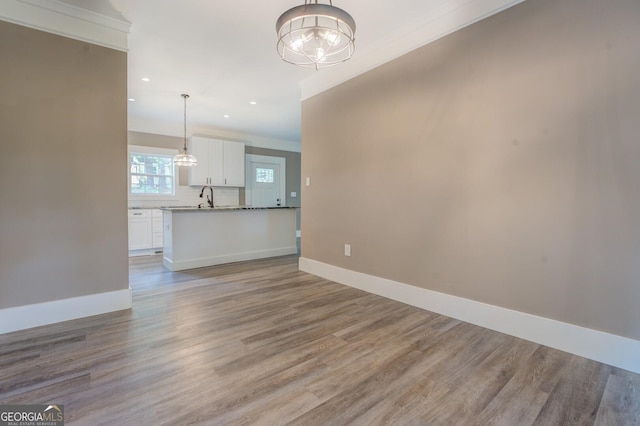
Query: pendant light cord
(185, 122)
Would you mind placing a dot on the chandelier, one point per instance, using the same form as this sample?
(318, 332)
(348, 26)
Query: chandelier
(185, 159)
(315, 35)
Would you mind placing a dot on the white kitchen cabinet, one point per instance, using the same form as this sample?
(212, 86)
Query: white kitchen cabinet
(220, 163)
(202, 149)
(233, 164)
(145, 231)
(140, 233)
(156, 229)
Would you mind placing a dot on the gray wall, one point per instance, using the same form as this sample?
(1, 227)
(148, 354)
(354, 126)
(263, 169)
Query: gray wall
(498, 164)
(63, 182)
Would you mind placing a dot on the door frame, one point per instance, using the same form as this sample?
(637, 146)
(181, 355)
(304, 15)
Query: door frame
(254, 158)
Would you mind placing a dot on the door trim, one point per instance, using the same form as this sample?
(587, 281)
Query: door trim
(248, 159)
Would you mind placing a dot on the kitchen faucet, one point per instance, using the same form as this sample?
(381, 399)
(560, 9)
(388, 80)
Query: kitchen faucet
(209, 200)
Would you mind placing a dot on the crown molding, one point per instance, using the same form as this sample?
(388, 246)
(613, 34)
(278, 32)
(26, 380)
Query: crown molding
(56, 17)
(448, 17)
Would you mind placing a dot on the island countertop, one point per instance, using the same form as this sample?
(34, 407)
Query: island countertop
(196, 209)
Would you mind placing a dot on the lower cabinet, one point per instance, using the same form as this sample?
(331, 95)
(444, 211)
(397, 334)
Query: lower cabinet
(156, 228)
(145, 231)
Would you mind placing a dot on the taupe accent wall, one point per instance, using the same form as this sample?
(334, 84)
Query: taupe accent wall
(63, 176)
(499, 164)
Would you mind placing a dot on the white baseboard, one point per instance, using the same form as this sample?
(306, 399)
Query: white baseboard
(145, 252)
(603, 347)
(35, 315)
(181, 265)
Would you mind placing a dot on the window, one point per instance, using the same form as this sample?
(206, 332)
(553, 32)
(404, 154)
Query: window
(151, 172)
(264, 175)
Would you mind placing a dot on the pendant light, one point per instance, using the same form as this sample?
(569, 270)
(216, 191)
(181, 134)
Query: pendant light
(315, 35)
(185, 159)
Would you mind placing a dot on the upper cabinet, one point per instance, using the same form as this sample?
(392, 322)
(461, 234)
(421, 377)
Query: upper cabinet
(220, 163)
(233, 164)
(209, 153)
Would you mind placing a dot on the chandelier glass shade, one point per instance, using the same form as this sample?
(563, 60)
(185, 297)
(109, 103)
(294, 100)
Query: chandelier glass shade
(315, 35)
(185, 159)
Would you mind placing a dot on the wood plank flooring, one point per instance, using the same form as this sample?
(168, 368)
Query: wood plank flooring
(262, 343)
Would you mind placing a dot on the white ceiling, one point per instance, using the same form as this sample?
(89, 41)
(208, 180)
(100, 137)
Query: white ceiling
(223, 54)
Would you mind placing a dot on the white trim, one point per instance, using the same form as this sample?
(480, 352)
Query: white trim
(181, 265)
(145, 252)
(255, 158)
(607, 348)
(80, 13)
(35, 315)
(448, 17)
(70, 21)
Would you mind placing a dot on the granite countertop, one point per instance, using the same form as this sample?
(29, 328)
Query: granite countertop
(197, 209)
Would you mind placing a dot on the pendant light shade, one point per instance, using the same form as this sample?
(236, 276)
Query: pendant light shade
(315, 35)
(185, 159)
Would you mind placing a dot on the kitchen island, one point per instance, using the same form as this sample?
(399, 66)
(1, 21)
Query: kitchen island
(197, 237)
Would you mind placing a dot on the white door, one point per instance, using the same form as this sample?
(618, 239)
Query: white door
(265, 180)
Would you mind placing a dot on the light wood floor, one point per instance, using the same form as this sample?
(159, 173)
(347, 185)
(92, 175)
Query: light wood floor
(262, 343)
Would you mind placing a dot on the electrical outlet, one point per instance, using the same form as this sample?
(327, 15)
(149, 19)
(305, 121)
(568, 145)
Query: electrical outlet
(294, 194)
(347, 249)
(308, 181)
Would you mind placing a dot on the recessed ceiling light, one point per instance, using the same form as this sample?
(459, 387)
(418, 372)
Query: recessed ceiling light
(226, 116)
(146, 79)
(253, 102)
(131, 100)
